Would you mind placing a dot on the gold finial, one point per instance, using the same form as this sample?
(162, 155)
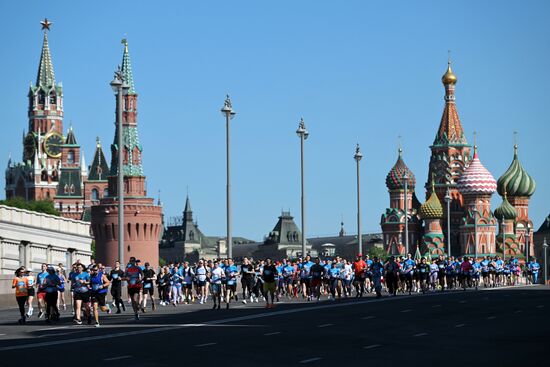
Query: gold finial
(449, 77)
(124, 41)
(46, 24)
(97, 142)
(475, 144)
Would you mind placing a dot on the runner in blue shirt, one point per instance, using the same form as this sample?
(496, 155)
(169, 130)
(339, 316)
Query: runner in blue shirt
(231, 272)
(534, 267)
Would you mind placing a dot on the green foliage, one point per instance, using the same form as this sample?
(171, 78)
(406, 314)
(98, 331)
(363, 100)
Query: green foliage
(40, 206)
(162, 262)
(92, 246)
(378, 252)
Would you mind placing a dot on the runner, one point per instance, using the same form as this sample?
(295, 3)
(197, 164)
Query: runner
(100, 285)
(231, 272)
(81, 293)
(408, 271)
(134, 276)
(115, 276)
(51, 286)
(360, 269)
(61, 296)
(269, 285)
(216, 277)
(423, 270)
(149, 278)
(534, 268)
(434, 273)
(41, 294)
(247, 279)
(392, 271)
(377, 269)
(31, 280)
(163, 282)
(317, 272)
(176, 280)
(201, 273)
(334, 279)
(21, 285)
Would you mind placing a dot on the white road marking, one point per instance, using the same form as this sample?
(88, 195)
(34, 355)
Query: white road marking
(273, 333)
(325, 325)
(459, 325)
(407, 310)
(372, 346)
(540, 306)
(420, 334)
(463, 301)
(53, 328)
(215, 322)
(368, 317)
(310, 360)
(518, 311)
(434, 306)
(117, 358)
(205, 345)
(2, 334)
(491, 317)
(58, 334)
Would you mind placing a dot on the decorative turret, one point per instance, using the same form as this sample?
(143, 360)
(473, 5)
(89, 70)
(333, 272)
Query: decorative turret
(516, 181)
(476, 179)
(505, 211)
(432, 208)
(395, 180)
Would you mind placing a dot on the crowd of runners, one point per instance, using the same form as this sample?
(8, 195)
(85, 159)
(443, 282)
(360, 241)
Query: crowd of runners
(217, 281)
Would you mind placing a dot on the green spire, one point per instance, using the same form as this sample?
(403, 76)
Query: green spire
(127, 68)
(46, 77)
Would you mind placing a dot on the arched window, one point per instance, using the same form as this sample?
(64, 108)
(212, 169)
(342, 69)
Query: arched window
(95, 194)
(70, 157)
(129, 230)
(52, 98)
(105, 192)
(41, 98)
(135, 156)
(191, 236)
(137, 230)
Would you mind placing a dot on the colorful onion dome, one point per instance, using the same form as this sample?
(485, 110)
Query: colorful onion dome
(395, 180)
(505, 210)
(516, 181)
(476, 179)
(432, 208)
(449, 77)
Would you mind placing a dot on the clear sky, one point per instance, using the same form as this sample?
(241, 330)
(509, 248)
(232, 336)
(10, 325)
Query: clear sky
(357, 71)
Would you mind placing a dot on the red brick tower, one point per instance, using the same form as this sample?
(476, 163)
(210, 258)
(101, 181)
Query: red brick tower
(142, 218)
(450, 157)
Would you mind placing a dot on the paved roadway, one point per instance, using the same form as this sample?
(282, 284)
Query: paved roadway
(499, 327)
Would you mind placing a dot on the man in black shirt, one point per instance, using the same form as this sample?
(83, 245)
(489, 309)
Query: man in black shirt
(247, 278)
(268, 276)
(316, 272)
(149, 276)
(115, 276)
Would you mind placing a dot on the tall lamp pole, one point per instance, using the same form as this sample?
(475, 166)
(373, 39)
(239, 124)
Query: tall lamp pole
(229, 113)
(303, 134)
(448, 201)
(545, 250)
(475, 230)
(120, 87)
(503, 240)
(406, 178)
(357, 158)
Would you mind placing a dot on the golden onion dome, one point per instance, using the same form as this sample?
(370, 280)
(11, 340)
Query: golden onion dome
(432, 208)
(449, 77)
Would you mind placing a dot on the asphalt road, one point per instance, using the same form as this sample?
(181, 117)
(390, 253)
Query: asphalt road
(500, 327)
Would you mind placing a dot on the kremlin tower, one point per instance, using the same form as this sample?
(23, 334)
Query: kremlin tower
(450, 157)
(477, 185)
(393, 220)
(142, 218)
(519, 187)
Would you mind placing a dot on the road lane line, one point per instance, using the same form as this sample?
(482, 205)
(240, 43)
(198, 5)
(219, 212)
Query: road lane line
(459, 325)
(372, 346)
(273, 333)
(491, 317)
(420, 334)
(218, 322)
(368, 317)
(310, 360)
(116, 358)
(434, 306)
(59, 334)
(205, 345)
(407, 310)
(518, 311)
(324, 325)
(463, 301)
(53, 328)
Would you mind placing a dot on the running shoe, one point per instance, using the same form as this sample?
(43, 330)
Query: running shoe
(40, 314)
(136, 317)
(96, 324)
(244, 301)
(30, 311)
(77, 321)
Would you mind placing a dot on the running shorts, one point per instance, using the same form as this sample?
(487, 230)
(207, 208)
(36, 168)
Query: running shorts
(98, 298)
(315, 282)
(270, 287)
(84, 297)
(41, 295)
(31, 292)
(215, 288)
(201, 283)
(132, 291)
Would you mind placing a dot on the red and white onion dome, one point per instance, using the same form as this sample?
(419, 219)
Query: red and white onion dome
(476, 179)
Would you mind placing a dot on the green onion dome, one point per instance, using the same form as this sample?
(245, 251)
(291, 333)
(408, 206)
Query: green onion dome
(432, 208)
(505, 210)
(395, 180)
(516, 181)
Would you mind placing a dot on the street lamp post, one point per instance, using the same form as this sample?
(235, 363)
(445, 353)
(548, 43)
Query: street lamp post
(448, 201)
(229, 113)
(120, 87)
(303, 134)
(406, 178)
(527, 238)
(475, 231)
(503, 240)
(357, 158)
(545, 251)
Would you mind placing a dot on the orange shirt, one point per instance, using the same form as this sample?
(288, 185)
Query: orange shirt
(21, 285)
(359, 267)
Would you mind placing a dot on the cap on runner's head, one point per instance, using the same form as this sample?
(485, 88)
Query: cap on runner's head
(138, 260)
(132, 259)
(146, 264)
(359, 255)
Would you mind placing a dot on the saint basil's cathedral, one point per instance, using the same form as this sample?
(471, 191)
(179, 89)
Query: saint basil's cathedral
(53, 168)
(456, 177)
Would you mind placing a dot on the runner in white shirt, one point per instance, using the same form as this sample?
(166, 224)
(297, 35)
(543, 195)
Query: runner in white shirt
(200, 273)
(216, 284)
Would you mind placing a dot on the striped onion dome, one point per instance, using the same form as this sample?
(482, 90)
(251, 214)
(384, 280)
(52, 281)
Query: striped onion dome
(505, 210)
(432, 208)
(395, 180)
(476, 179)
(516, 181)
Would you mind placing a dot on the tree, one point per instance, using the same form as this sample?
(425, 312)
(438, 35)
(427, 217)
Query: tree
(377, 252)
(40, 206)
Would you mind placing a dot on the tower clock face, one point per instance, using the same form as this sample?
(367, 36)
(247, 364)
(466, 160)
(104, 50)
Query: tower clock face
(52, 144)
(29, 147)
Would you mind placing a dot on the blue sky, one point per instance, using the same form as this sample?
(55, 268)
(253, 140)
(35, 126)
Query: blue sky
(357, 71)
